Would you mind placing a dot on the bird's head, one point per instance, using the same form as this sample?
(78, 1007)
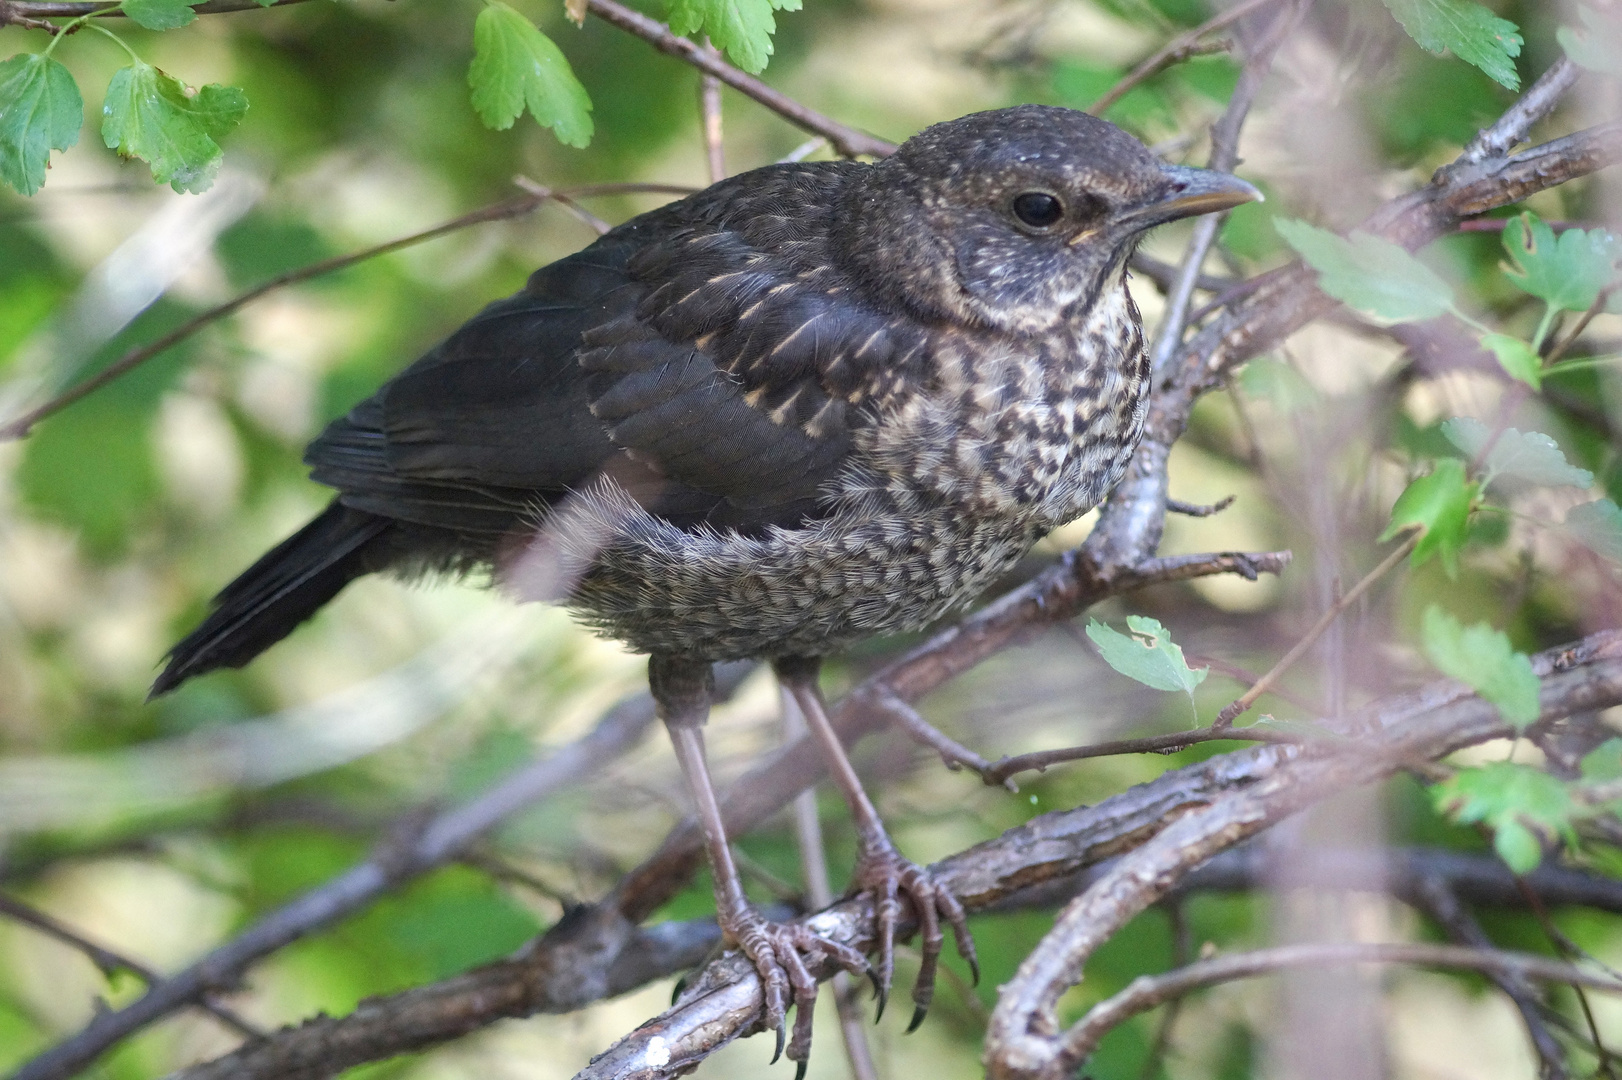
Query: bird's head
(1011, 218)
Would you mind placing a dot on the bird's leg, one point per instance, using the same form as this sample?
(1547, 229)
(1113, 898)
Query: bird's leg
(881, 871)
(682, 690)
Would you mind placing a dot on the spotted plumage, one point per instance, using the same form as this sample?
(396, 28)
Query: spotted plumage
(812, 403)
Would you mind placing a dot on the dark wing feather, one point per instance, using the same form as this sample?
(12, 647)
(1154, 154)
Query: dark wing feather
(702, 353)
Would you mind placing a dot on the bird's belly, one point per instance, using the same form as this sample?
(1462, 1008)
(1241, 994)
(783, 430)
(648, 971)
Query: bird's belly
(718, 595)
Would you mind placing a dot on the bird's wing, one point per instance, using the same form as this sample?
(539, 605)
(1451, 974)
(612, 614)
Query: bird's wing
(700, 351)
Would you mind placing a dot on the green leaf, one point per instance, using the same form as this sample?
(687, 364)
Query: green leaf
(1595, 46)
(1567, 271)
(1604, 762)
(1375, 276)
(1598, 525)
(1516, 357)
(1148, 654)
(1471, 32)
(1512, 800)
(155, 117)
(1440, 504)
(1483, 659)
(40, 110)
(742, 28)
(515, 65)
(1531, 457)
(160, 14)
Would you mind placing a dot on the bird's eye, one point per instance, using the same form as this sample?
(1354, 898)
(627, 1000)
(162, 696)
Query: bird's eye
(1038, 209)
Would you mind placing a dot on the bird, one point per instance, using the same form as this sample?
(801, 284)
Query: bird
(812, 403)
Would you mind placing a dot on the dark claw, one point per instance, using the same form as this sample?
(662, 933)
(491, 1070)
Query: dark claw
(974, 968)
(799, 1070)
(884, 999)
(681, 984)
(918, 1015)
(878, 987)
(782, 1037)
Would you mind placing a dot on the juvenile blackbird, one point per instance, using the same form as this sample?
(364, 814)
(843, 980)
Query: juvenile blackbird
(812, 403)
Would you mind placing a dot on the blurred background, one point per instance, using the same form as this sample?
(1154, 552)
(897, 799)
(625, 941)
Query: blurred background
(159, 829)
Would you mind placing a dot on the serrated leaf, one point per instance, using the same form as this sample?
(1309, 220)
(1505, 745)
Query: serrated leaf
(1512, 800)
(515, 65)
(1147, 654)
(1598, 525)
(156, 117)
(743, 29)
(1375, 276)
(1469, 31)
(160, 14)
(1567, 271)
(1518, 359)
(1531, 457)
(1440, 504)
(1594, 47)
(40, 111)
(1483, 659)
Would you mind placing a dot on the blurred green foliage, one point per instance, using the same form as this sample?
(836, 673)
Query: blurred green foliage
(121, 516)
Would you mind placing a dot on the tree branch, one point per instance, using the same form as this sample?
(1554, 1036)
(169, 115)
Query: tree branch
(1416, 727)
(503, 211)
(1148, 991)
(432, 844)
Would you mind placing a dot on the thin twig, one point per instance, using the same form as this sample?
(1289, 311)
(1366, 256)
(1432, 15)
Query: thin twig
(1226, 717)
(109, 962)
(502, 211)
(1198, 510)
(1146, 992)
(111, 9)
(1000, 771)
(1174, 51)
(846, 140)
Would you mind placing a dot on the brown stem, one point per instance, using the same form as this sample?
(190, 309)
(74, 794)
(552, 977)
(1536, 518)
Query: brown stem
(1226, 717)
(110, 8)
(1003, 769)
(847, 140)
(1174, 51)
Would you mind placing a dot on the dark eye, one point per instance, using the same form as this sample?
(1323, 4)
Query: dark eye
(1038, 209)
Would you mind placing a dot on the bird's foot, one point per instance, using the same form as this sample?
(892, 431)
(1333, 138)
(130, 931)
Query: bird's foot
(883, 874)
(779, 952)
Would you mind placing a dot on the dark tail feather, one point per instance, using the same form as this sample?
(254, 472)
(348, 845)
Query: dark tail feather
(285, 587)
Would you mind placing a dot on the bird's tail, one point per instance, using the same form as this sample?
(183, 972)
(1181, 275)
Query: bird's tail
(285, 587)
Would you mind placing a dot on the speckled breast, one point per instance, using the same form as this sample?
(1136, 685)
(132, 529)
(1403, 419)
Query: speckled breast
(947, 490)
